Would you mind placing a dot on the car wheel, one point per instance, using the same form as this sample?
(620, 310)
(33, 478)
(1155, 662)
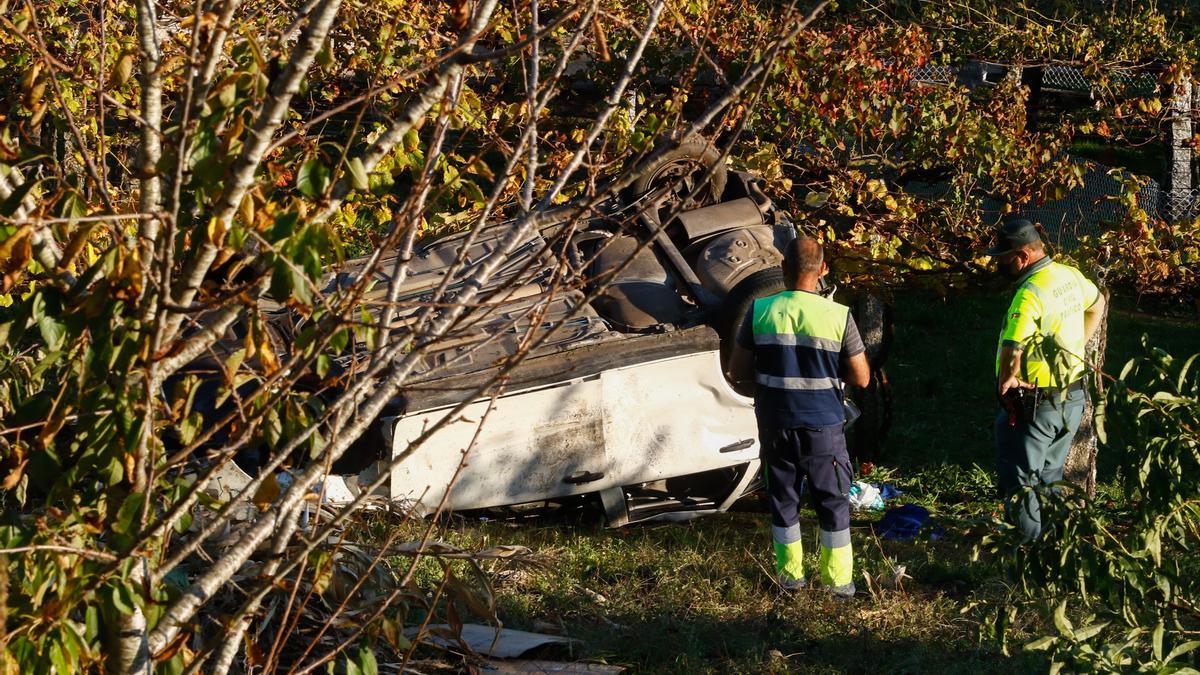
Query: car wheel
(737, 305)
(675, 175)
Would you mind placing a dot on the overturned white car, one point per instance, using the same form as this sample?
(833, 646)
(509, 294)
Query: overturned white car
(626, 397)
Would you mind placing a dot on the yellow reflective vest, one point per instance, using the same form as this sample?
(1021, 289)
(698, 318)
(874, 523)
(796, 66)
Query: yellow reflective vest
(797, 351)
(1045, 321)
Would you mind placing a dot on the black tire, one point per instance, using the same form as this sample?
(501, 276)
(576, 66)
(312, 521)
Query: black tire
(874, 320)
(737, 305)
(688, 161)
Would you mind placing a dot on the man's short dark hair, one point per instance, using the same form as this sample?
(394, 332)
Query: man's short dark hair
(1036, 245)
(803, 255)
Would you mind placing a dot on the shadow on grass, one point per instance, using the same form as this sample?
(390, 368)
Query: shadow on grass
(698, 598)
(819, 636)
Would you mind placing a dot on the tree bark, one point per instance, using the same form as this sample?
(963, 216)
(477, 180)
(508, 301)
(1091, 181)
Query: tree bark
(874, 321)
(1081, 460)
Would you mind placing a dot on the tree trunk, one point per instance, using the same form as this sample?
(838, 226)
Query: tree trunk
(1081, 460)
(874, 320)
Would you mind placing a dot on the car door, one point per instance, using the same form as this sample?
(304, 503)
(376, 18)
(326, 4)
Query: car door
(531, 445)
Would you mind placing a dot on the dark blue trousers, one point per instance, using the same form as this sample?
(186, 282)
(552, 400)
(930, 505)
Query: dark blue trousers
(791, 455)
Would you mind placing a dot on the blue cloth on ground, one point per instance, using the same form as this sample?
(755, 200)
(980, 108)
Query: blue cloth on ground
(905, 522)
(888, 491)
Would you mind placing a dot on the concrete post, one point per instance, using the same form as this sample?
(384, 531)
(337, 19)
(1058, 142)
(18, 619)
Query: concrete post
(1177, 181)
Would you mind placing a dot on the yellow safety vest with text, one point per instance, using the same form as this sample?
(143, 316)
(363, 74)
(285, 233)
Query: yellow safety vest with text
(1045, 321)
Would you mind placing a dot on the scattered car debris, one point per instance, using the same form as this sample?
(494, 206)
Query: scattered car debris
(865, 497)
(493, 641)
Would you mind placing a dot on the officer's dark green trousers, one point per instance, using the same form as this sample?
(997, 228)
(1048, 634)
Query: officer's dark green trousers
(1033, 454)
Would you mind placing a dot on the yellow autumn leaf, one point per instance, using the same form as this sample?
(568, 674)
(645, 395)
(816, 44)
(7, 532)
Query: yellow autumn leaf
(267, 493)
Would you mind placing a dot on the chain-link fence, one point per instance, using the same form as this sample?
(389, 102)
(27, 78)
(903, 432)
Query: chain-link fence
(1065, 78)
(934, 74)
(1058, 77)
(1086, 211)
(1123, 83)
(1180, 204)
(1092, 208)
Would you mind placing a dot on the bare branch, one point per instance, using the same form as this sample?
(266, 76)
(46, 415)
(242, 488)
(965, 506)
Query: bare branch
(150, 185)
(45, 248)
(242, 173)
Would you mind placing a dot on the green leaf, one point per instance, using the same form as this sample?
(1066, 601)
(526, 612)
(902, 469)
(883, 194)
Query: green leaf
(1089, 632)
(816, 200)
(53, 332)
(1041, 644)
(1154, 545)
(233, 363)
(227, 95)
(284, 226)
(411, 140)
(286, 282)
(312, 178)
(1062, 622)
(1156, 639)
(58, 659)
(182, 525)
(189, 427)
(118, 600)
(358, 174)
(299, 284)
(366, 661)
(91, 622)
(129, 513)
(338, 341)
(272, 427)
(1182, 649)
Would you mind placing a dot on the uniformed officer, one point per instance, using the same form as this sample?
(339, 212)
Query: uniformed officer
(1039, 367)
(798, 347)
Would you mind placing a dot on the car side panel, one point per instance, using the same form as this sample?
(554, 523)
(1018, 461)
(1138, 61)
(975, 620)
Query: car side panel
(624, 426)
(674, 417)
(527, 448)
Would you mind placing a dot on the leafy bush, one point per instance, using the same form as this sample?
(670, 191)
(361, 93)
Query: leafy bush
(1122, 578)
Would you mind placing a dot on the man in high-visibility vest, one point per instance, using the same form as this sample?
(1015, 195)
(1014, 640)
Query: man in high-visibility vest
(798, 347)
(1039, 368)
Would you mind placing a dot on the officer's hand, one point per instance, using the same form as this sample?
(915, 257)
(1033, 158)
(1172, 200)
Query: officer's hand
(1013, 382)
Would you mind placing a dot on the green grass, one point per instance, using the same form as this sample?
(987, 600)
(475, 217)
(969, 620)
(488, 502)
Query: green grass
(697, 597)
